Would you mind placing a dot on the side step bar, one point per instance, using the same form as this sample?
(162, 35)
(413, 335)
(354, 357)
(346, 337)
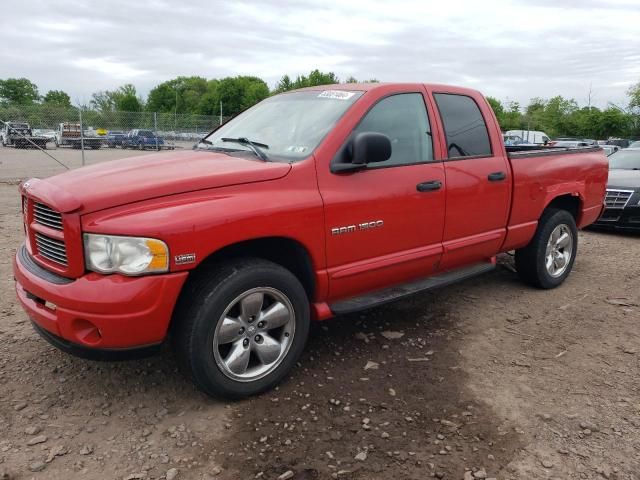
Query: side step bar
(386, 295)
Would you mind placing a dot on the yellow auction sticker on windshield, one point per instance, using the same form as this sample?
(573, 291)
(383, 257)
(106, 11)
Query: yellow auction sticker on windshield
(336, 94)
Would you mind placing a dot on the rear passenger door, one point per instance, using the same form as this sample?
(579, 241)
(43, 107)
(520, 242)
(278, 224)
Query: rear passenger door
(478, 178)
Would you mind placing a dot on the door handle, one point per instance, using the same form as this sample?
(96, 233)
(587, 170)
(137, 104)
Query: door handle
(497, 176)
(429, 186)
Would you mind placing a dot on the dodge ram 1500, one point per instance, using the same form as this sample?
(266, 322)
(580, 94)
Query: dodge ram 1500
(312, 203)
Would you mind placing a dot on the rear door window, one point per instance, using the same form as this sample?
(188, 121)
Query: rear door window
(464, 126)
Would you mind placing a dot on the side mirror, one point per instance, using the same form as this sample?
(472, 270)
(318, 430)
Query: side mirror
(365, 147)
(370, 147)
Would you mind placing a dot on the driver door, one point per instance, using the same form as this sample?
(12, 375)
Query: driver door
(385, 223)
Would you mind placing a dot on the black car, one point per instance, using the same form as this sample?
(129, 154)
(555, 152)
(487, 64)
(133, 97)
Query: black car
(623, 192)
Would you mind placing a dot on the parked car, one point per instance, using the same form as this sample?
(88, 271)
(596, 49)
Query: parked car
(114, 139)
(47, 133)
(530, 136)
(609, 149)
(623, 192)
(620, 142)
(20, 135)
(143, 139)
(68, 135)
(310, 204)
(512, 140)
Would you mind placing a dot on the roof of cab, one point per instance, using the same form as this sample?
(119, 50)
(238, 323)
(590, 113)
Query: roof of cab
(366, 87)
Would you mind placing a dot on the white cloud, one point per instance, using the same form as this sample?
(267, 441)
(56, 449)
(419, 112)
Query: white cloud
(506, 48)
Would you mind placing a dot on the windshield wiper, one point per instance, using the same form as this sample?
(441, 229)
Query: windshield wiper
(254, 146)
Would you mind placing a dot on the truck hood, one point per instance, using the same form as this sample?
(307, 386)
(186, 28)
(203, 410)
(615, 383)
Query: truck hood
(134, 179)
(624, 179)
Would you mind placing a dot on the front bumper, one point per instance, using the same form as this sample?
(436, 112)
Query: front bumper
(627, 218)
(99, 312)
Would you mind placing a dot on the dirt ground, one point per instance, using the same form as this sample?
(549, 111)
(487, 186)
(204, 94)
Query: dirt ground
(485, 379)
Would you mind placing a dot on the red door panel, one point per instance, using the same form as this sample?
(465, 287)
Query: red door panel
(403, 235)
(406, 245)
(477, 210)
(479, 178)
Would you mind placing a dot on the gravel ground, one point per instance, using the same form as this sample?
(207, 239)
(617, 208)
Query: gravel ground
(20, 163)
(484, 379)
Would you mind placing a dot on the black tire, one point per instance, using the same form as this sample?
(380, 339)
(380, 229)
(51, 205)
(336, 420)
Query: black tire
(201, 307)
(531, 260)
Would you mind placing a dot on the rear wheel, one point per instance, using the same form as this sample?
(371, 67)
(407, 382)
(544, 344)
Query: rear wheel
(548, 259)
(239, 331)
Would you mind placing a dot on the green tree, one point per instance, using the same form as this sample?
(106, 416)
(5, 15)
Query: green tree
(103, 101)
(316, 77)
(284, 84)
(179, 95)
(58, 98)
(124, 98)
(634, 97)
(18, 91)
(235, 93)
(498, 109)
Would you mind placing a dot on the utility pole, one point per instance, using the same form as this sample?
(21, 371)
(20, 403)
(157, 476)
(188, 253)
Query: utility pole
(220, 112)
(81, 134)
(589, 97)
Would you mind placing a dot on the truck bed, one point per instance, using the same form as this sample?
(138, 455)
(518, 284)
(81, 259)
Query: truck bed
(540, 174)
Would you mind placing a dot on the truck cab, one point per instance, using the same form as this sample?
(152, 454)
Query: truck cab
(142, 139)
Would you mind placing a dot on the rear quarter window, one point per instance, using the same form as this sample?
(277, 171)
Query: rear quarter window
(464, 126)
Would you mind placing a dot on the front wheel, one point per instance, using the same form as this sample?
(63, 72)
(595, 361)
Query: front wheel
(239, 331)
(548, 259)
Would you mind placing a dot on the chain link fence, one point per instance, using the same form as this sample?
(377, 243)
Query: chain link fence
(41, 140)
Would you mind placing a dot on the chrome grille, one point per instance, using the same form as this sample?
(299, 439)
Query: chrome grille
(617, 198)
(47, 216)
(51, 249)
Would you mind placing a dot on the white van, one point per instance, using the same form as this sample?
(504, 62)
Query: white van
(530, 136)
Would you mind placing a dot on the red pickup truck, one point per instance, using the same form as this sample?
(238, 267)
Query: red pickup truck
(311, 204)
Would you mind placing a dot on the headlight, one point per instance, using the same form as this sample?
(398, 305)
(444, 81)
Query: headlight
(126, 255)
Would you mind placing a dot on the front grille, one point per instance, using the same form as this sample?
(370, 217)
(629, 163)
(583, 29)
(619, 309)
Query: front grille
(617, 198)
(47, 216)
(51, 249)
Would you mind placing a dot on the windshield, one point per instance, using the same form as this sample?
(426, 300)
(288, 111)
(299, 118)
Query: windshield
(22, 126)
(625, 160)
(145, 133)
(291, 125)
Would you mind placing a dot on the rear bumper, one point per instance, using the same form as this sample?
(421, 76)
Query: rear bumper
(97, 312)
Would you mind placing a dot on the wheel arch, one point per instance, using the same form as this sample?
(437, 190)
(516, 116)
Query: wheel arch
(569, 202)
(284, 251)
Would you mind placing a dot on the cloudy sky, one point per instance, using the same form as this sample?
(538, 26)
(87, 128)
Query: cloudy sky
(511, 49)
